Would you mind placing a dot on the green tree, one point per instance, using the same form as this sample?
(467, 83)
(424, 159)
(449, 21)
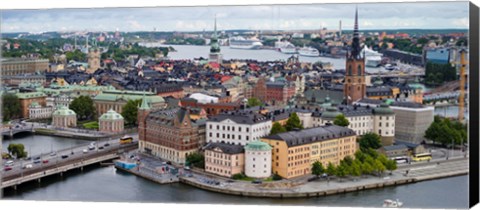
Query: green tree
(196, 159)
(366, 168)
(277, 128)
(348, 160)
(341, 171)
(293, 122)
(341, 120)
(382, 158)
(84, 107)
(17, 150)
(317, 168)
(130, 112)
(254, 102)
(370, 140)
(378, 167)
(238, 176)
(11, 108)
(355, 169)
(330, 169)
(276, 177)
(360, 156)
(391, 165)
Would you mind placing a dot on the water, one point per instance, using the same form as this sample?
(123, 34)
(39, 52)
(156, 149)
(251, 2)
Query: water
(189, 52)
(123, 187)
(36, 144)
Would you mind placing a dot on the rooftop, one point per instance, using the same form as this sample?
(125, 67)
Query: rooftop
(225, 148)
(311, 135)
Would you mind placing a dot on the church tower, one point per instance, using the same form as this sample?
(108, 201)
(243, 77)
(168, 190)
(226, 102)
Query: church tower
(354, 87)
(142, 114)
(94, 55)
(215, 56)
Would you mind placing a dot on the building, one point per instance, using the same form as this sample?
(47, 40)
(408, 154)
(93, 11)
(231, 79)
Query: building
(116, 99)
(237, 127)
(355, 86)
(36, 111)
(111, 122)
(215, 56)
(64, 117)
(172, 90)
(294, 152)
(93, 57)
(394, 151)
(15, 66)
(437, 55)
(279, 93)
(258, 160)
(224, 159)
(210, 108)
(27, 98)
(168, 133)
(18, 80)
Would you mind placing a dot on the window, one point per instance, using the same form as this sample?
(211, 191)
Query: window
(379, 131)
(248, 129)
(210, 134)
(359, 70)
(350, 70)
(253, 165)
(240, 129)
(210, 126)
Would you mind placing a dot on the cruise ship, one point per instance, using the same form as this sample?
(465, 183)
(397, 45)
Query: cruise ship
(285, 47)
(308, 51)
(239, 42)
(372, 58)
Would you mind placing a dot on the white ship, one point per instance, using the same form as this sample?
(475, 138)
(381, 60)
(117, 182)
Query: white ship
(308, 51)
(372, 58)
(392, 204)
(239, 42)
(285, 47)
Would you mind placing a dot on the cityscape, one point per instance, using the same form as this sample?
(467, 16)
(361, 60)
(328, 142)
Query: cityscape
(362, 105)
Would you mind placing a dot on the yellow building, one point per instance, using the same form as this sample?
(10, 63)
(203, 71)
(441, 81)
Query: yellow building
(294, 152)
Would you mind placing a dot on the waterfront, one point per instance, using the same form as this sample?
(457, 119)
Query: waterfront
(122, 187)
(38, 144)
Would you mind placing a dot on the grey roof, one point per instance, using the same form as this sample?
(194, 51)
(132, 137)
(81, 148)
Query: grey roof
(225, 148)
(352, 111)
(379, 91)
(320, 95)
(407, 104)
(240, 117)
(395, 147)
(370, 101)
(168, 116)
(307, 136)
(407, 144)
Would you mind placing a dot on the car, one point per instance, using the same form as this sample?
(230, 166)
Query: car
(100, 147)
(45, 161)
(27, 166)
(53, 154)
(187, 168)
(28, 158)
(9, 163)
(37, 158)
(8, 168)
(189, 175)
(85, 151)
(230, 181)
(169, 163)
(37, 161)
(324, 175)
(106, 145)
(64, 156)
(257, 181)
(91, 147)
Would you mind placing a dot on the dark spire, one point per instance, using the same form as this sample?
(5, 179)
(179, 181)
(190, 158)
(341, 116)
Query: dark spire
(355, 50)
(214, 46)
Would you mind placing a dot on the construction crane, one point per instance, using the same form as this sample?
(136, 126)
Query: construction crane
(463, 79)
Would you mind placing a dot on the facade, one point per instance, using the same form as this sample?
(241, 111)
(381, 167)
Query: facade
(15, 66)
(411, 121)
(18, 80)
(111, 122)
(26, 99)
(258, 159)
(115, 99)
(294, 152)
(93, 59)
(355, 85)
(38, 112)
(237, 128)
(64, 117)
(168, 133)
(172, 90)
(279, 93)
(224, 159)
(210, 108)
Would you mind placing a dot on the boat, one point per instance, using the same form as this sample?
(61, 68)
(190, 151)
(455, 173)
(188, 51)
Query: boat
(308, 51)
(392, 204)
(239, 42)
(390, 67)
(285, 47)
(372, 58)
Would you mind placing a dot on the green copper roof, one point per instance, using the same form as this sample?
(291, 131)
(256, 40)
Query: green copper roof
(258, 146)
(34, 104)
(63, 111)
(384, 109)
(331, 113)
(30, 95)
(144, 105)
(115, 95)
(111, 115)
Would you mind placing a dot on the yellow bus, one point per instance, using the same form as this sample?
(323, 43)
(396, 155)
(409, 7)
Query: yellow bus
(422, 157)
(126, 140)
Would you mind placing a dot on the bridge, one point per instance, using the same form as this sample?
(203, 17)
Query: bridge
(62, 161)
(12, 131)
(445, 96)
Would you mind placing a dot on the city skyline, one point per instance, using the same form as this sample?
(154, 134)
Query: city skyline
(378, 16)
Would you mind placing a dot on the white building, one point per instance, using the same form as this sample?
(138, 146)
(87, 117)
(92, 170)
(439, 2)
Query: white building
(237, 128)
(36, 111)
(258, 160)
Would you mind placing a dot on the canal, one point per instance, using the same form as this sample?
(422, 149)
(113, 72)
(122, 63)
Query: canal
(121, 187)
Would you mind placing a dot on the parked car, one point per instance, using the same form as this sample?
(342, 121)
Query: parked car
(64, 156)
(8, 168)
(9, 163)
(45, 161)
(27, 166)
(169, 162)
(36, 161)
(85, 151)
(53, 154)
(106, 144)
(37, 158)
(257, 181)
(91, 147)
(100, 147)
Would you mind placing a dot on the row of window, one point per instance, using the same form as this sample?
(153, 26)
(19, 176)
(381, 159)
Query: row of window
(227, 128)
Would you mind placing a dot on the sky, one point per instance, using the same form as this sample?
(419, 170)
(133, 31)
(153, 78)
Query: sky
(405, 15)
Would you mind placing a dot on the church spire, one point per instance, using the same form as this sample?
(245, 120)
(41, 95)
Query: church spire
(355, 51)
(144, 105)
(214, 46)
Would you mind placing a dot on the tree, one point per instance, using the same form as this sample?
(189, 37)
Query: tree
(383, 159)
(391, 165)
(378, 167)
(348, 160)
(355, 169)
(360, 156)
(130, 112)
(341, 120)
(17, 150)
(370, 140)
(84, 107)
(366, 168)
(238, 176)
(341, 171)
(330, 169)
(11, 108)
(276, 177)
(254, 102)
(293, 122)
(317, 168)
(277, 128)
(196, 159)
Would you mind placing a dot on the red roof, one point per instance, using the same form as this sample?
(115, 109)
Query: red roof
(214, 65)
(225, 78)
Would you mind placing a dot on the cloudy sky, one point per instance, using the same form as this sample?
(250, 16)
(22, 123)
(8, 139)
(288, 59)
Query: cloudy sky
(285, 17)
